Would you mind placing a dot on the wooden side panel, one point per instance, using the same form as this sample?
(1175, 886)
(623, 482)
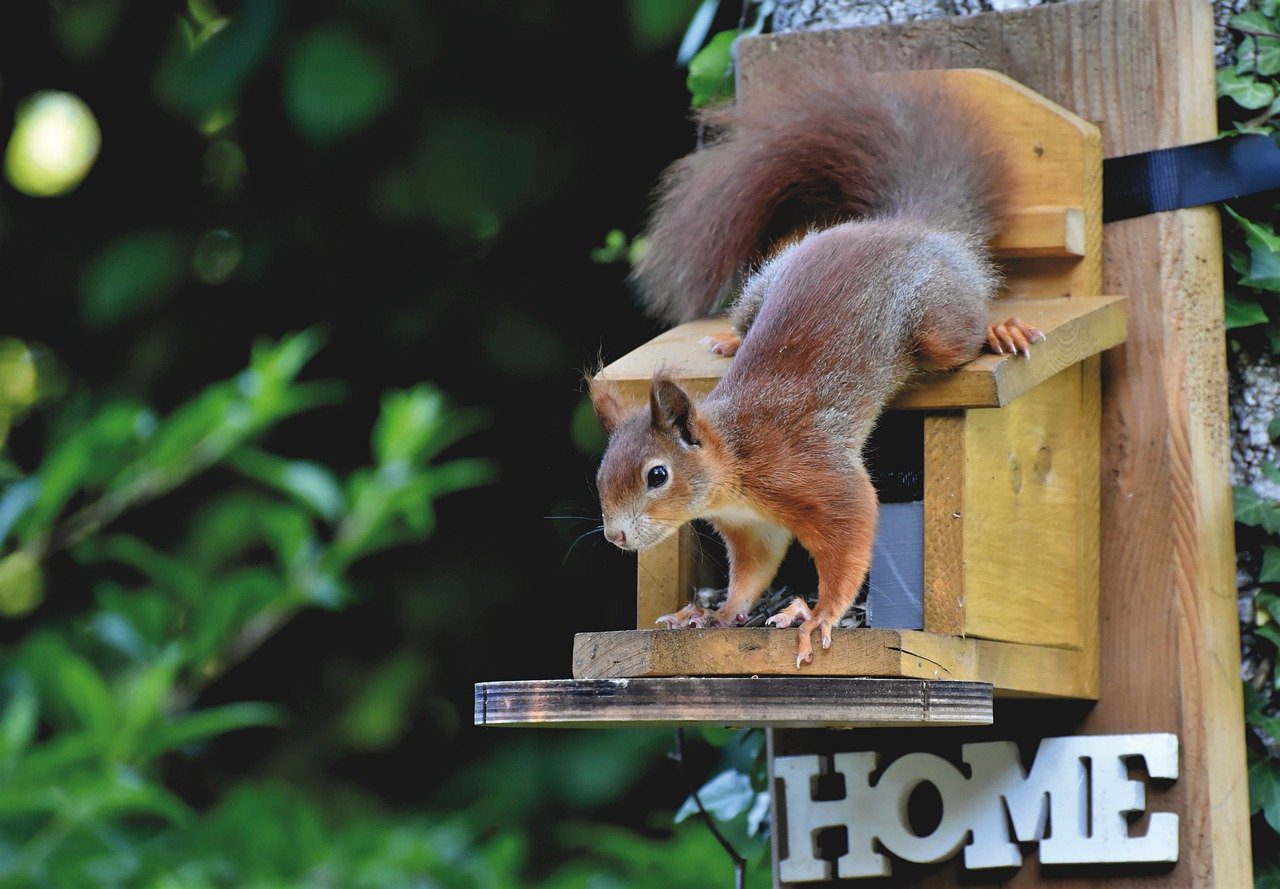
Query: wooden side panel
(944, 522)
(1024, 483)
(1142, 70)
(664, 577)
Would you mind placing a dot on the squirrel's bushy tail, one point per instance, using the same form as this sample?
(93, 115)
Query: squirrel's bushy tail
(827, 147)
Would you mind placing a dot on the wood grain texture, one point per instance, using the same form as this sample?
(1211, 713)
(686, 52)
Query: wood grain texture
(664, 577)
(944, 526)
(1013, 670)
(1142, 70)
(798, 702)
(1043, 232)
(1026, 484)
(1074, 329)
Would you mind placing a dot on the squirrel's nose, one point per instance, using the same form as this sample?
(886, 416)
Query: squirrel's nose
(617, 537)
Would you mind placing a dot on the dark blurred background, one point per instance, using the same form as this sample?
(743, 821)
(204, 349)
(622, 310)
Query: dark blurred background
(431, 186)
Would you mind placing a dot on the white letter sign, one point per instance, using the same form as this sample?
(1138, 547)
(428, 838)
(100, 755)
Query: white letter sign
(1075, 802)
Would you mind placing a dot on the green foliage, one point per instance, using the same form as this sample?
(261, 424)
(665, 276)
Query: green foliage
(93, 707)
(335, 85)
(617, 249)
(711, 70)
(656, 23)
(131, 273)
(469, 174)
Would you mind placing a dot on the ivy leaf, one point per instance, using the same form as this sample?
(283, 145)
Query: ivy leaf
(1253, 20)
(1260, 55)
(1255, 511)
(1264, 254)
(1273, 428)
(1269, 632)
(1242, 89)
(1243, 313)
(1264, 791)
(1270, 572)
(710, 73)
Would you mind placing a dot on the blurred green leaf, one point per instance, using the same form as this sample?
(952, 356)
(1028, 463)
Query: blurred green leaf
(21, 584)
(711, 70)
(201, 75)
(130, 274)
(216, 256)
(470, 173)
(71, 686)
(521, 344)
(657, 23)
(311, 484)
(84, 27)
(18, 497)
(19, 721)
(335, 85)
(200, 726)
(380, 714)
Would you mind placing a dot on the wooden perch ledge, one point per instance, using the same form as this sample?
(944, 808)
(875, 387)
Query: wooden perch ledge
(1075, 328)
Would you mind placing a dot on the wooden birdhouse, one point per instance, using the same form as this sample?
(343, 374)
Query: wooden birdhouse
(985, 572)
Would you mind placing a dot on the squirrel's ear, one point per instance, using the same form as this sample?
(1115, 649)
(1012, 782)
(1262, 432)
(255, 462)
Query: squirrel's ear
(673, 410)
(607, 406)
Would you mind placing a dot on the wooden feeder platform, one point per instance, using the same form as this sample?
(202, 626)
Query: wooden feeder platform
(776, 702)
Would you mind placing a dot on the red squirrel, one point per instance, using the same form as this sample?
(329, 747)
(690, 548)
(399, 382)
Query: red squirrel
(883, 196)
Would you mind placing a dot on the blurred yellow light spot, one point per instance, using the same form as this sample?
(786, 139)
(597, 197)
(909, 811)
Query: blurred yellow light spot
(54, 143)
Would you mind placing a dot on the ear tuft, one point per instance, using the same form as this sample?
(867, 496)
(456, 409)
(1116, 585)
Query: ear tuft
(672, 410)
(608, 406)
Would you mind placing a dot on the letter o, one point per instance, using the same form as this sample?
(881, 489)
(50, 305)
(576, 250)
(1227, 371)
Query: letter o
(894, 789)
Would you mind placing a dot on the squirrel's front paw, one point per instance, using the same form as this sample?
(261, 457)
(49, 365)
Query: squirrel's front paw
(721, 619)
(1015, 336)
(725, 344)
(689, 616)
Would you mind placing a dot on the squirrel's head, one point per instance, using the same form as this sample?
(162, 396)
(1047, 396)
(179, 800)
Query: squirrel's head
(659, 469)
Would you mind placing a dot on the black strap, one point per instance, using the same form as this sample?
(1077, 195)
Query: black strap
(1188, 176)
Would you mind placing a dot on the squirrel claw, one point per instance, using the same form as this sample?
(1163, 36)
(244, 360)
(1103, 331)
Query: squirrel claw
(689, 616)
(725, 344)
(787, 617)
(804, 649)
(1014, 336)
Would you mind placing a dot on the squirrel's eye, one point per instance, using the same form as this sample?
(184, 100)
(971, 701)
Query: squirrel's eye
(657, 476)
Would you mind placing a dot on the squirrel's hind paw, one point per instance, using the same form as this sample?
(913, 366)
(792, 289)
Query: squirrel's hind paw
(725, 344)
(796, 612)
(1014, 336)
(689, 616)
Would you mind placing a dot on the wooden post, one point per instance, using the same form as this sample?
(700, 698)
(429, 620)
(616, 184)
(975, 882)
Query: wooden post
(664, 577)
(1142, 70)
